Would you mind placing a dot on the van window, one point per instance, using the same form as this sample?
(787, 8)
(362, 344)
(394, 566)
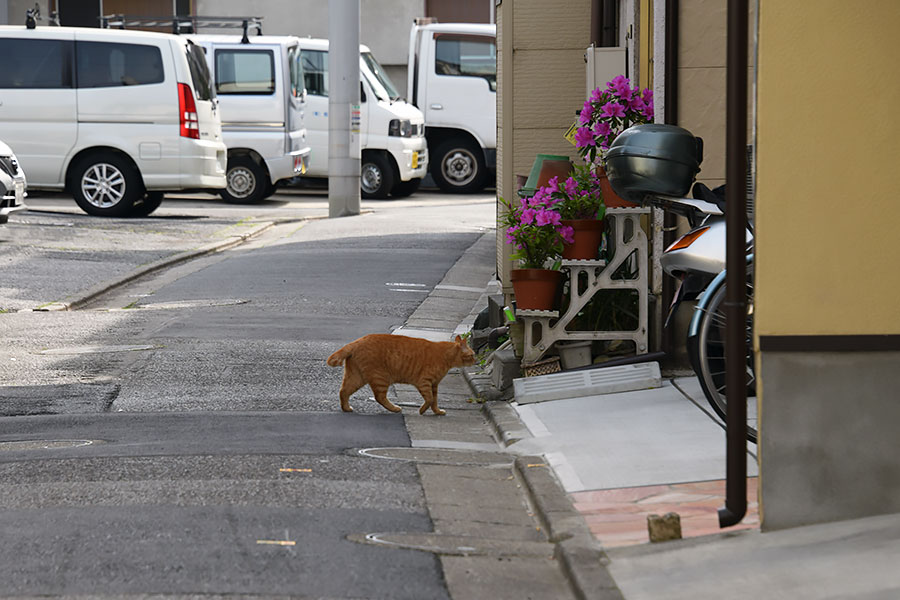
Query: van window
(245, 72)
(377, 72)
(43, 64)
(105, 64)
(200, 75)
(298, 81)
(315, 71)
(466, 56)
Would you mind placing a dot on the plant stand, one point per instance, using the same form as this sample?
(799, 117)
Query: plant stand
(628, 247)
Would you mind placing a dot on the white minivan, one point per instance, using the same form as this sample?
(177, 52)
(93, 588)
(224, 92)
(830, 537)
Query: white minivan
(114, 117)
(392, 132)
(260, 87)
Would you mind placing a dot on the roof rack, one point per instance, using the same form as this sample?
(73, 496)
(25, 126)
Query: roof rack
(183, 23)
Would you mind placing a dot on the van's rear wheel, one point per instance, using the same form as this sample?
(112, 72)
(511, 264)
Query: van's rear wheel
(246, 181)
(105, 185)
(459, 166)
(376, 176)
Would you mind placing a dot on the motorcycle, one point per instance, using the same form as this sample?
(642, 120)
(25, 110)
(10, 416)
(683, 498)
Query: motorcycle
(655, 165)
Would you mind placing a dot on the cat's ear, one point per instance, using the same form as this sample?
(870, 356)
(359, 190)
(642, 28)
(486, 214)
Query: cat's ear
(458, 339)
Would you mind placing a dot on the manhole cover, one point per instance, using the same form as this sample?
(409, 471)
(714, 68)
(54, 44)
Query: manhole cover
(97, 349)
(191, 304)
(25, 445)
(441, 456)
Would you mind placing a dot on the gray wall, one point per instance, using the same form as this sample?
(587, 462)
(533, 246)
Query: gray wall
(384, 24)
(15, 11)
(829, 436)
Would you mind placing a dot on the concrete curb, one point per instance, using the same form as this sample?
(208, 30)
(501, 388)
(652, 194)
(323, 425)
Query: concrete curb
(211, 248)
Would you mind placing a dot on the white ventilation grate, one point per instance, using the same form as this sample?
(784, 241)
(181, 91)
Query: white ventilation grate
(592, 382)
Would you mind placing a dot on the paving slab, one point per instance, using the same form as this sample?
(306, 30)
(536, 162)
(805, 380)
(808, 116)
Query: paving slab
(626, 439)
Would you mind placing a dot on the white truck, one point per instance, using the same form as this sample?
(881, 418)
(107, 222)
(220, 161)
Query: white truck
(394, 155)
(452, 79)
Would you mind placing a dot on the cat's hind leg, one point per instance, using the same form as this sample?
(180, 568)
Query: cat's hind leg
(380, 390)
(352, 382)
(429, 394)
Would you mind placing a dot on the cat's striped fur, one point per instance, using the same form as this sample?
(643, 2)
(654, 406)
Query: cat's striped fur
(381, 359)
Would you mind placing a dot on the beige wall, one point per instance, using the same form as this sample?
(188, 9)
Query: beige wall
(702, 58)
(541, 84)
(828, 202)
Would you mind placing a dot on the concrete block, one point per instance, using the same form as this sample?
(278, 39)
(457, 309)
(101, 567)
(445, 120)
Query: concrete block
(664, 528)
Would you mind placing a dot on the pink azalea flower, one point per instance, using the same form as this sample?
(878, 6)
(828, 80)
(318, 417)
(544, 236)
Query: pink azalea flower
(596, 95)
(602, 128)
(584, 137)
(571, 186)
(568, 234)
(613, 109)
(586, 112)
(528, 216)
(553, 185)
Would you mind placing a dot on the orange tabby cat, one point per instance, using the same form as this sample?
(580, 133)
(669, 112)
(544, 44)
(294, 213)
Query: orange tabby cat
(381, 359)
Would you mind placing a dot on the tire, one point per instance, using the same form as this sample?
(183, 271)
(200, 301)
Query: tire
(105, 185)
(458, 166)
(147, 204)
(246, 181)
(402, 189)
(376, 177)
(707, 351)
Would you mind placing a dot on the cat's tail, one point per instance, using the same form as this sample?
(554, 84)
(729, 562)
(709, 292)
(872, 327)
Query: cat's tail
(338, 358)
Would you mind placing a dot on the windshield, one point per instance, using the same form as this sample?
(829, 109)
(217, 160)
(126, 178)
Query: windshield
(381, 84)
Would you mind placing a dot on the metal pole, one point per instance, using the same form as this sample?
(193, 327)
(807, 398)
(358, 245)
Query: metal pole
(736, 267)
(343, 108)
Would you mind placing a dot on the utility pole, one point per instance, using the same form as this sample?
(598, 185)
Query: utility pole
(343, 108)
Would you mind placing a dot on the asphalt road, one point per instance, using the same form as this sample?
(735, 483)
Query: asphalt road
(182, 435)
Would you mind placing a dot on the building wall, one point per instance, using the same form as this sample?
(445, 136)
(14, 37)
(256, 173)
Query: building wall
(827, 316)
(540, 86)
(384, 24)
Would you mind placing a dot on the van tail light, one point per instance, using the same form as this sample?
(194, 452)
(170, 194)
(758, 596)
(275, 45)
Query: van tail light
(187, 113)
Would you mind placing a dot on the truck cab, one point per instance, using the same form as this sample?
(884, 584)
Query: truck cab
(452, 79)
(394, 156)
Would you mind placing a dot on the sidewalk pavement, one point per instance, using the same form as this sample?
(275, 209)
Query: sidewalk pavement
(619, 457)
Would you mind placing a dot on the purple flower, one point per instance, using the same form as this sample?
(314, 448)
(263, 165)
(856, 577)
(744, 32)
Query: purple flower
(571, 186)
(568, 234)
(586, 112)
(553, 185)
(596, 95)
(547, 217)
(602, 129)
(613, 109)
(648, 96)
(584, 137)
(617, 82)
(527, 217)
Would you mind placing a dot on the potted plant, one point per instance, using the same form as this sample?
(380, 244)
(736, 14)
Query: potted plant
(579, 202)
(537, 234)
(607, 113)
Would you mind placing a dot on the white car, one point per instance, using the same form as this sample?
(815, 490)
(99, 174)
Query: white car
(116, 118)
(12, 184)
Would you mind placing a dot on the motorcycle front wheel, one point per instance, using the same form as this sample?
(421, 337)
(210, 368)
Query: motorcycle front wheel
(707, 349)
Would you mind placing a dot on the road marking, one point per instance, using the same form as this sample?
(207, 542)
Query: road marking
(277, 542)
(290, 470)
(406, 285)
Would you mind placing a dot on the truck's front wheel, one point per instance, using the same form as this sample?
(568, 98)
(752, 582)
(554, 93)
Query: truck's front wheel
(376, 177)
(459, 166)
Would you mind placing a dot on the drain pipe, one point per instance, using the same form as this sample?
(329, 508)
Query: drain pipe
(736, 267)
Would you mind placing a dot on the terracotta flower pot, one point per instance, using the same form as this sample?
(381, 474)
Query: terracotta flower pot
(588, 237)
(535, 289)
(610, 198)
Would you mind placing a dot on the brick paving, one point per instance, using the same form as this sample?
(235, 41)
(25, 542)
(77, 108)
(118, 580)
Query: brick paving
(618, 517)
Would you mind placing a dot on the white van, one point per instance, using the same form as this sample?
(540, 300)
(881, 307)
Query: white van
(260, 87)
(452, 78)
(116, 118)
(393, 149)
